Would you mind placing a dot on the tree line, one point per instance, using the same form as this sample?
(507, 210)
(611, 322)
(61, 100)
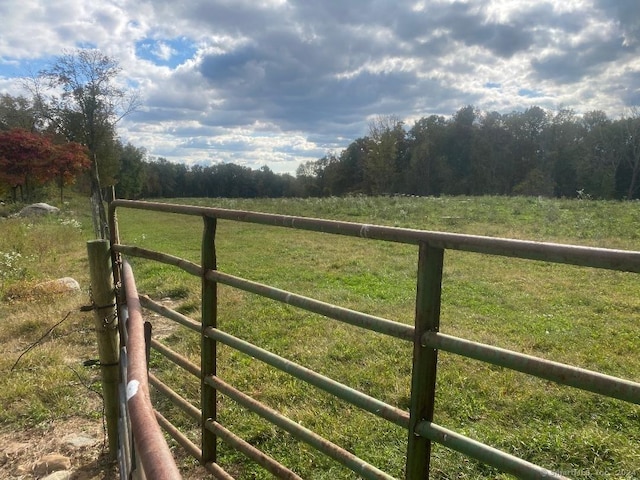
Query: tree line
(140, 177)
(533, 152)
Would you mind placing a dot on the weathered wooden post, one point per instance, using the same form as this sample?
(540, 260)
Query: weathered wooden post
(105, 319)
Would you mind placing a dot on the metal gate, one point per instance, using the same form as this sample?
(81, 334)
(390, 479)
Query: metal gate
(424, 335)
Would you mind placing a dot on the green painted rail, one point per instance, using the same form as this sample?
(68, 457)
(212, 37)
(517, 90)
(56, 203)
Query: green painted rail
(424, 335)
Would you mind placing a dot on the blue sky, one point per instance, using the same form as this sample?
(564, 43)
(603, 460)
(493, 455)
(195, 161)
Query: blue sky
(280, 82)
(167, 52)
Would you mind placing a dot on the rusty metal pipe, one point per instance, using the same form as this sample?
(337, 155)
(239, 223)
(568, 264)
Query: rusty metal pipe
(156, 458)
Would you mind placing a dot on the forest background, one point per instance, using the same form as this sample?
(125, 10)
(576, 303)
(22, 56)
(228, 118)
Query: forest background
(76, 104)
(533, 152)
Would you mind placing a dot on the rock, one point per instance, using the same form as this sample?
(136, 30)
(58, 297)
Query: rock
(79, 440)
(51, 463)
(60, 285)
(60, 475)
(37, 209)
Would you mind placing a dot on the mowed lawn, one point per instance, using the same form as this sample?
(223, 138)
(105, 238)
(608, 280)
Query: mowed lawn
(581, 316)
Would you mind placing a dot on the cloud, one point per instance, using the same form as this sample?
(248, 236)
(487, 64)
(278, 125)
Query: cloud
(627, 14)
(586, 59)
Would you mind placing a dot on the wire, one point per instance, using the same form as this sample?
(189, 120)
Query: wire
(37, 342)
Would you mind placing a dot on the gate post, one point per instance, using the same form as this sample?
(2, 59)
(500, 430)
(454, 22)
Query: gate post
(423, 381)
(208, 346)
(106, 325)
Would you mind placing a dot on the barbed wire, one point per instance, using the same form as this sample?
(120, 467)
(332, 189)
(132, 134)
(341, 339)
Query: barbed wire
(37, 342)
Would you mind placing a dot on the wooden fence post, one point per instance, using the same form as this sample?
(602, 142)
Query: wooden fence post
(106, 325)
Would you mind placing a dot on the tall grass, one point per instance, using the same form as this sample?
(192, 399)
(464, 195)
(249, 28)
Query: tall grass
(45, 337)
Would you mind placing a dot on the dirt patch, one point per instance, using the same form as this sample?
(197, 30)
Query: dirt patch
(81, 441)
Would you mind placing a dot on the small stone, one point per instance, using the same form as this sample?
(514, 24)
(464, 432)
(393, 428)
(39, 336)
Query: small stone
(52, 463)
(60, 475)
(60, 285)
(79, 440)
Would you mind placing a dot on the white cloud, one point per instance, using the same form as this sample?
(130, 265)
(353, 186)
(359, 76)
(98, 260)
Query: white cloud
(164, 51)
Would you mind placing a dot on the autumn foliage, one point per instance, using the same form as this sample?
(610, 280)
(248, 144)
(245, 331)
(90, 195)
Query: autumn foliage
(28, 159)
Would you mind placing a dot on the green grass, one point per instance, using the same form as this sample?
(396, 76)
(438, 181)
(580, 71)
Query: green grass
(586, 317)
(43, 378)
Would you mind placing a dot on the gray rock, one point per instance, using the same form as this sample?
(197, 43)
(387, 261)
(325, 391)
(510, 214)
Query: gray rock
(38, 209)
(60, 285)
(60, 475)
(79, 440)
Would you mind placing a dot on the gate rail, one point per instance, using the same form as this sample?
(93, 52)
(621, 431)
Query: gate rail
(424, 335)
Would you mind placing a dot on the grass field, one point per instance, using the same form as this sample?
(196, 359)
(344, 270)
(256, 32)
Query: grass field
(586, 317)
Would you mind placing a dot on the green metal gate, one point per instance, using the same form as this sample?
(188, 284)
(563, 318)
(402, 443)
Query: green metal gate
(424, 335)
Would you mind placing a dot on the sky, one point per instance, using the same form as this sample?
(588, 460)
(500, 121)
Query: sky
(280, 82)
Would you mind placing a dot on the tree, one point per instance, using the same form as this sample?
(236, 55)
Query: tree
(526, 131)
(23, 160)
(268, 184)
(461, 131)
(87, 111)
(18, 112)
(28, 159)
(630, 126)
(596, 171)
(309, 176)
(427, 170)
(386, 148)
(131, 176)
(491, 156)
(68, 160)
(566, 149)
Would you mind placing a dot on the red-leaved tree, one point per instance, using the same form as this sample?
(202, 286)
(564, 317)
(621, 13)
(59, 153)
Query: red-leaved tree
(23, 160)
(68, 160)
(28, 159)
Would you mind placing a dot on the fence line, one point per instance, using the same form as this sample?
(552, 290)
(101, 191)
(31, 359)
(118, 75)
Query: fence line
(424, 335)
